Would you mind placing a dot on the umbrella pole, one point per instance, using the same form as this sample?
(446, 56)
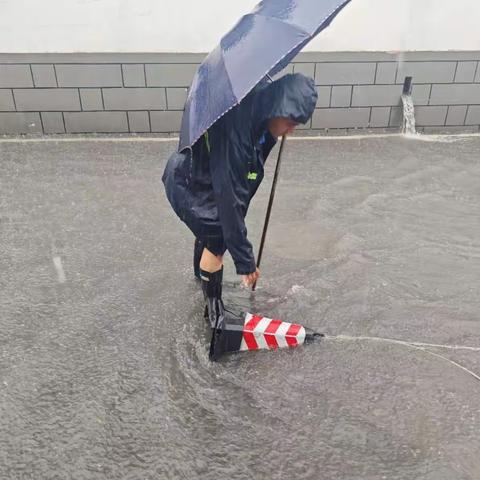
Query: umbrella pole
(270, 203)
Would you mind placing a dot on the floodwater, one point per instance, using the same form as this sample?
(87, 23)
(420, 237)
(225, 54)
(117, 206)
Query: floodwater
(104, 372)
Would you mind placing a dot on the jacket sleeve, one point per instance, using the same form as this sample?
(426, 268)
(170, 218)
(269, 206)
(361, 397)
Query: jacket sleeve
(228, 170)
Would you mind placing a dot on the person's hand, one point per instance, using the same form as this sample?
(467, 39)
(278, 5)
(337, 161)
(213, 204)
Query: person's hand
(251, 278)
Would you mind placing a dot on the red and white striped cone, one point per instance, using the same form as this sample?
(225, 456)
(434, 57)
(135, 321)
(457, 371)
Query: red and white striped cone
(254, 332)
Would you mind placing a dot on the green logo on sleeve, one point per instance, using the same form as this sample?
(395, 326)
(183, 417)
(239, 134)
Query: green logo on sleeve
(252, 176)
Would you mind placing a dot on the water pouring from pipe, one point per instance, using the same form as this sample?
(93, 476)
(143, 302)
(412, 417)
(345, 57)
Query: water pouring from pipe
(408, 125)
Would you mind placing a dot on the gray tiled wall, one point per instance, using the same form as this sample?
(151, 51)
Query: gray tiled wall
(139, 93)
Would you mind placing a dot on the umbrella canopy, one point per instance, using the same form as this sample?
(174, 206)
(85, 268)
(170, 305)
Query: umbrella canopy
(262, 43)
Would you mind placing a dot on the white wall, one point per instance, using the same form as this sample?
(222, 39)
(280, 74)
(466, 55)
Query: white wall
(196, 25)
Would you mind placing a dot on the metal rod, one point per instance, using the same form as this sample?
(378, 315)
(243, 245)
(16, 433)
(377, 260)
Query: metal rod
(269, 208)
(407, 86)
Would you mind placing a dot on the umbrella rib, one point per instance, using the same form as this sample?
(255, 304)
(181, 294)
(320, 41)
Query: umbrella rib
(231, 86)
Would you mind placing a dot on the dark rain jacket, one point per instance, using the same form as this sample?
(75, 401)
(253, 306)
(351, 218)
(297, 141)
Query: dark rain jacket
(210, 186)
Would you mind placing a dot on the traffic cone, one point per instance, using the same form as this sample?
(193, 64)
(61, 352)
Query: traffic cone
(237, 333)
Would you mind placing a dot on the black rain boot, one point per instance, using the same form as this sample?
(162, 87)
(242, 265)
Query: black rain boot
(212, 289)
(214, 309)
(197, 255)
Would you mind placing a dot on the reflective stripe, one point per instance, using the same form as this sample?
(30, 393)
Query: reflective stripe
(259, 332)
(291, 335)
(249, 331)
(265, 333)
(281, 333)
(270, 332)
(207, 141)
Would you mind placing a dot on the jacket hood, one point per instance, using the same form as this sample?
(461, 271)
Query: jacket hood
(292, 96)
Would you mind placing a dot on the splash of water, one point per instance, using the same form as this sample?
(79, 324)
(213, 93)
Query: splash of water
(57, 262)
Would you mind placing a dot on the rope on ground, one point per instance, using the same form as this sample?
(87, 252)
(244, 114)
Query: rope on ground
(415, 345)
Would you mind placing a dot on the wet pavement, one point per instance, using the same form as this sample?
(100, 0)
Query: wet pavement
(103, 351)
